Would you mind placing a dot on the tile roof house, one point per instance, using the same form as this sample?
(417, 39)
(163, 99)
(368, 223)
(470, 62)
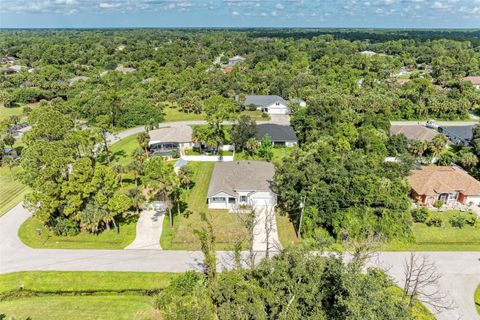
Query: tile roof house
(268, 103)
(281, 135)
(449, 184)
(164, 140)
(239, 183)
(414, 132)
(234, 60)
(475, 80)
(458, 135)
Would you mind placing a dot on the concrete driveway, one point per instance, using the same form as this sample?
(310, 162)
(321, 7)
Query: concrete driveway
(460, 270)
(149, 229)
(265, 232)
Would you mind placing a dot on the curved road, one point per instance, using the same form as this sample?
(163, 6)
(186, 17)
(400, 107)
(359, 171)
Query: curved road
(460, 270)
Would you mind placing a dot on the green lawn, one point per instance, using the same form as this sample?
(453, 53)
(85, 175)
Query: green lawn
(255, 115)
(11, 191)
(286, 231)
(81, 295)
(123, 149)
(477, 299)
(105, 240)
(6, 113)
(446, 238)
(227, 226)
(172, 114)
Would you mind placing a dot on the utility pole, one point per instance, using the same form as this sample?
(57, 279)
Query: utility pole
(302, 205)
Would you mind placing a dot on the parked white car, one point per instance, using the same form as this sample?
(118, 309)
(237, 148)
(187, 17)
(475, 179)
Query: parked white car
(432, 124)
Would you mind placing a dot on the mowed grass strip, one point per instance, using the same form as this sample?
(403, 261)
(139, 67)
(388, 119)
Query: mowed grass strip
(122, 150)
(227, 226)
(12, 191)
(79, 307)
(174, 114)
(477, 299)
(29, 235)
(81, 295)
(67, 281)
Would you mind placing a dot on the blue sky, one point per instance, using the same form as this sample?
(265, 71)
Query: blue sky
(240, 13)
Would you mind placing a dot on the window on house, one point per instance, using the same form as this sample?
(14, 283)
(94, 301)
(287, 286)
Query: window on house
(243, 198)
(453, 196)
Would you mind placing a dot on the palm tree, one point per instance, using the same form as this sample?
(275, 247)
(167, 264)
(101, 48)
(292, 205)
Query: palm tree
(252, 146)
(137, 198)
(143, 139)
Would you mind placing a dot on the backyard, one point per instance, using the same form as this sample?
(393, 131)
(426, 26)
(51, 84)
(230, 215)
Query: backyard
(78, 295)
(227, 226)
(123, 149)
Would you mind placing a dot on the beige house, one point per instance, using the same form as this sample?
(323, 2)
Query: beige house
(450, 184)
(238, 183)
(164, 140)
(414, 132)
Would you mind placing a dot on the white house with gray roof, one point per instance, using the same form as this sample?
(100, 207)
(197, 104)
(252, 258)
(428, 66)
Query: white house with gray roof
(268, 103)
(238, 183)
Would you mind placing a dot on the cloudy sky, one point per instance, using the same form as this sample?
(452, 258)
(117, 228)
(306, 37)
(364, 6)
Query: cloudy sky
(240, 13)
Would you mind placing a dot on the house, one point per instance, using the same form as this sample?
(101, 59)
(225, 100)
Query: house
(414, 132)
(234, 60)
(281, 135)
(125, 70)
(164, 141)
(268, 103)
(458, 135)
(8, 60)
(450, 184)
(368, 53)
(237, 183)
(474, 80)
(14, 69)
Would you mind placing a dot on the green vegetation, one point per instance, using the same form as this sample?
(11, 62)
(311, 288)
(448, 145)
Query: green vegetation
(477, 299)
(172, 115)
(29, 234)
(12, 190)
(123, 150)
(444, 238)
(324, 287)
(6, 113)
(286, 231)
(227, 226)
(79, 295)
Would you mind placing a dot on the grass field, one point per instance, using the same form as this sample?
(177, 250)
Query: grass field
(81, 295)
(446, 238)
(6, 113)
(255, 115)
(105, 240)
(227, 226)
(11, 191)
(286, 231)
(477, 299)
(172, 114)
(123, 149)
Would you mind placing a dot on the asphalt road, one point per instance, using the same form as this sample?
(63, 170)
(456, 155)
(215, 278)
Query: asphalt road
(460, 270)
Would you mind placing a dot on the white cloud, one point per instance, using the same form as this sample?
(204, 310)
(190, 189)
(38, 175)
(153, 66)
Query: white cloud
(108, 5)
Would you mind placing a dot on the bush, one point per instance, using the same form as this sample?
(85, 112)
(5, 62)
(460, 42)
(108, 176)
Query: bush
(264, 115)
(462, 219)
(175, 153)
(457, 221)
(252, 107)
(420, 214)
(180, 287)
(438, 204)
(434, 222)
(64, 227)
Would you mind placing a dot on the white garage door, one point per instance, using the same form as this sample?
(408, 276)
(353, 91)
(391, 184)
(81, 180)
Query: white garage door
(262, 199)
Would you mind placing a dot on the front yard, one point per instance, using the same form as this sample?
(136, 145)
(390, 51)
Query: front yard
(29, 234)
(12, 191)
(445, 238)
(228, 227)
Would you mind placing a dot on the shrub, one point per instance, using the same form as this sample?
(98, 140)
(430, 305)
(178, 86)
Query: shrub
(264, 115)
(175, 153)
(438, 204)
(434, 222)
(420, 214)
(457, 221)
(64, 227)
(252, 107)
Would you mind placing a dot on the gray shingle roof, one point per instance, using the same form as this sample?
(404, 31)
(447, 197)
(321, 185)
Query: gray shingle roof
(458, 133)
(245, 175)
(276, 132)
(178, 133)
(263, 100)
